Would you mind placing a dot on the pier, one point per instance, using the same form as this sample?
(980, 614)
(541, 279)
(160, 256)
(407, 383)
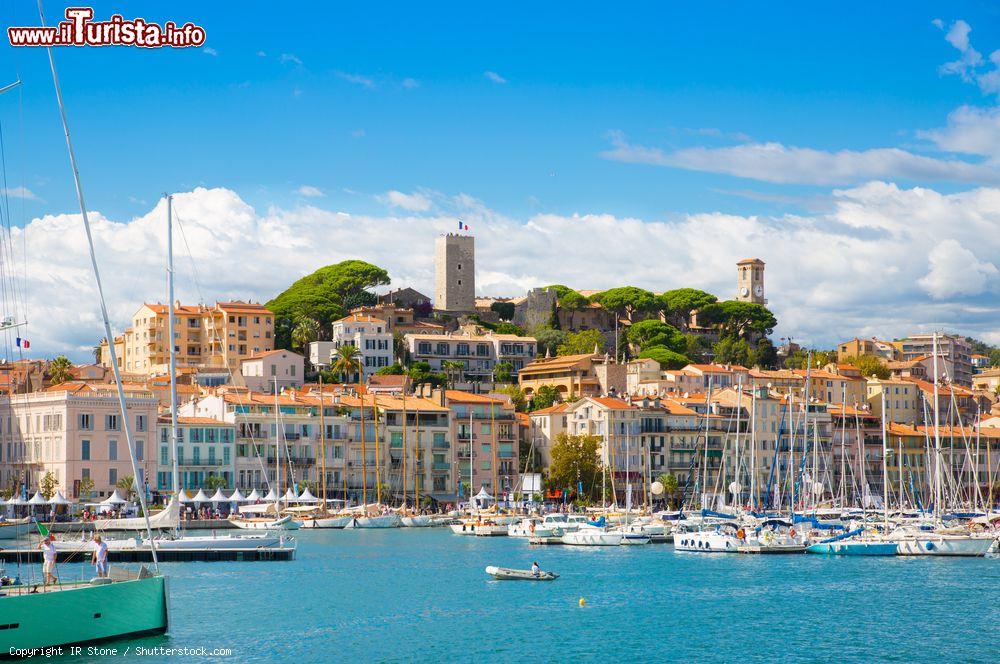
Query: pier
(144, 555)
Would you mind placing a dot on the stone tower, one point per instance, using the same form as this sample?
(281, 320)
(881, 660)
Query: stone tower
(750, 281)
(455, 273)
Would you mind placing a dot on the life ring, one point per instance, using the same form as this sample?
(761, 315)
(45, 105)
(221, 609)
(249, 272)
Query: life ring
(531, 527)
(741, 534)
(791, 533)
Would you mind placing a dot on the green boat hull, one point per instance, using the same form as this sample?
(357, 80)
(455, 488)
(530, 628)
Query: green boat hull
(83, 614)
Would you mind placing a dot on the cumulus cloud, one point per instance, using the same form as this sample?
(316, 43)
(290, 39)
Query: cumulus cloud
(969, 130)
(19, 192)
(410, 83)
(775, 162)
(358, 79)
(970, 66)
(495, 77)
(885, 260)
(415, 202)
(309, 191)
(955, 271)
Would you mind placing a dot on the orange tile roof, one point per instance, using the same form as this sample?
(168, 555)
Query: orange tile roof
(238, 305)
(458, 396)
(268, 353)
(551, 410)
(359, 318)
(613, 403)
(546, 364)
(184, 419)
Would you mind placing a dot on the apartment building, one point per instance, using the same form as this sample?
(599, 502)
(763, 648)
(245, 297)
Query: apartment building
(478, 354)
(370, 335)
(75, 431)
(955, 351)
(206, 448)
(856, 347)
(216, 337)
(572, 375)
(486, 433)
(263, 371)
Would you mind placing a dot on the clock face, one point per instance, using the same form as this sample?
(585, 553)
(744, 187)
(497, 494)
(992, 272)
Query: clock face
(744, 291)
(758, 290)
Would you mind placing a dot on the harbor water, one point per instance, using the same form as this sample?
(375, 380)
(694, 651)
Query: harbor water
(422, 595)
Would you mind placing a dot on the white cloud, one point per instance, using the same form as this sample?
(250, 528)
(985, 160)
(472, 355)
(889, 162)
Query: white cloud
(309, 191)
(884, 261)
(208, 50)
(774, 162)
(358, 79)
(19, 192)
(261, 54)
(410, 83)
(289, 58)
(969, 65)
(414, 202)
(955, 271)
(970, 130)
(495, 77)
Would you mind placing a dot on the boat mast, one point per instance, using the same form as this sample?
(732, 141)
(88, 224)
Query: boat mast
(885, 474)
(322, 443)
(493, 462)
(403, 476)
(471, 454)
(123, 406)
(277, 453)
(173, 348)
(378, 455)
(805, 430)
(417, 464)
(753, 448)
(364, 457)
(937, 432)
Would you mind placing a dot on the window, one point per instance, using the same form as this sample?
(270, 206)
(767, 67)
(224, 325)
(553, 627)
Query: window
(112, 450)
(139, 450)
(424, 348)
(85, 450)
(196, 456)
(164, 455)
(85, 422)
(112, 476)
(293, 370)
(140, 423)
(111, 422)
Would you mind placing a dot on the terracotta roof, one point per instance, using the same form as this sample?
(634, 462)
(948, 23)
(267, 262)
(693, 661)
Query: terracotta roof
(268, 353)
(613, 403)
(747, 261)
(182, 310)
(551, 410)
(546, 364)
(716, 368)
(676, 408)
(458, 396)
(386, 402)
(205, 421)
(388, 380)
(360, 318)
(248, 307)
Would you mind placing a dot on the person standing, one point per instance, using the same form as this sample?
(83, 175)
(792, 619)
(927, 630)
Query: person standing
(100, 556)
(48, 548)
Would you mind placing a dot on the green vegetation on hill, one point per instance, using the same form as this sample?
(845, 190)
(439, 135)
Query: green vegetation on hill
(324, 296)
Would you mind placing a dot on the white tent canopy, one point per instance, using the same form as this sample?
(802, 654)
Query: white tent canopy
(237, 497)
(184, 497)
(290, 496)
(114, 499)
(202, 497)
(17, 500)
(307, 497)
(58, 499)
(271, 496)
(219, 497)
(482, 495)
(253, 497)
(38, 499)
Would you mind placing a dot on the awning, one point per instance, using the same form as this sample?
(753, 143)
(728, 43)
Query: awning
(38, 499)
(219, 497)
(271, 496)
(237, 497)
(253, 497)
(307, 497)
(58, 499)
(184, 497)
(114, 499)
(290, 496)
(202, 497)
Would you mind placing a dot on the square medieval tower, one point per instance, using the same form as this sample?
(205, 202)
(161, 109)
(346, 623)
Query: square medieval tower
(455, 273)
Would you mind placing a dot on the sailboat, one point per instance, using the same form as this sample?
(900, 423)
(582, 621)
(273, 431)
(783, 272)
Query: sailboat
(123, 604)
(375, 515)
(321, 518)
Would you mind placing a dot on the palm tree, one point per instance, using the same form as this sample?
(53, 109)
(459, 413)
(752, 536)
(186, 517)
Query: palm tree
(305, 331)
(59, 370)
(452, 369)
(348, 362)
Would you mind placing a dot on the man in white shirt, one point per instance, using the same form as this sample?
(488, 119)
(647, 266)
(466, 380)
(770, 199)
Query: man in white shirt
(48, 548)
(100, 556)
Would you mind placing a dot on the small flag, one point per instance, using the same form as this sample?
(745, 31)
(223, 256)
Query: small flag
(42, 530)
(462, 226)
(23, 343)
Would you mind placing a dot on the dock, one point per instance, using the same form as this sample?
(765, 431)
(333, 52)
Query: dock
(144, 555)
(88, 526)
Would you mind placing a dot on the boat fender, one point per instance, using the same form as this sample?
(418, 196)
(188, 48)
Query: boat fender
(791, 533)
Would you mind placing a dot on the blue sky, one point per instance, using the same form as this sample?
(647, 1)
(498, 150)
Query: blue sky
(853, 146)
(838, 76)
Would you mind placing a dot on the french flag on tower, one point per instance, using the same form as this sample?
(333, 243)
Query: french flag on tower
(23, 343)
(462, 226)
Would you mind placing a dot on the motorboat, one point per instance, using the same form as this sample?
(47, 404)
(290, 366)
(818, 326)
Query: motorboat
(219, 542)
(378, 521)
(916, 542)
(333, 521)
(535, 527)
(593, 536)
(14, 528)
(417, 521)
(285, 522)
(507, 574)
(720, 538)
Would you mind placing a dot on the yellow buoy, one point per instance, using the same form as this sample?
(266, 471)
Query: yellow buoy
(583, 602)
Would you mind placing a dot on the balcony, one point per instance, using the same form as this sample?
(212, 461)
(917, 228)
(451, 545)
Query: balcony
(440, 445)
(297, 461)
(202, 463)
(441, 465)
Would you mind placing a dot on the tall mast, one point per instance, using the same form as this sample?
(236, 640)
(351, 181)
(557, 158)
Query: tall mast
(173, 347)
(277, 452)
(937, 432)
(322, 443)
(403, 476)
(364, 457)
(378, 453)
(122, 405)
(493, 448)
(753, 448)
(885, 472)
(471, 454)
(418, 475)
(805, 430)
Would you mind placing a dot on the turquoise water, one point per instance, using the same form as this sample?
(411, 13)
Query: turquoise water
(422, 595)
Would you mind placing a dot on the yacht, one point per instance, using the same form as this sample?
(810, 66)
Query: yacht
(592, 536)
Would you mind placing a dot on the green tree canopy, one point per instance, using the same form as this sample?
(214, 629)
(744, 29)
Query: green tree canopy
(798, 359)
(420, 373)
(697, 348)
(305, 330)
(678, 304)
(216, 482)
(581, 343)
(545, 396)
(627, 300)
(548, 339)
(671, 487)
(509, 328)
(324, 296)
(575, 460)
(504, 372)
(505, 310)
(391, 370)
(516, 395)
(731, 350)
(870, 365)
(738, 319)
(667, 358)
(59, 370)
(648, 333)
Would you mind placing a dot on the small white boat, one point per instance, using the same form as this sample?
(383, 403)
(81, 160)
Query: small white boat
(940, 544)
(591, 536)
(417, 521)
(14, 528)
(266, 523)
(220, 542)
(85, 545)
(333, 522)
(381, 521)
(507, 574)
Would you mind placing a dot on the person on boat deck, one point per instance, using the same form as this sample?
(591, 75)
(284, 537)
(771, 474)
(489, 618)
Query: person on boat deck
(100, 556)
(535, 569)
(48, 548)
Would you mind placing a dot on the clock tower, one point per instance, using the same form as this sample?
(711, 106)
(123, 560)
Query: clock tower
(750, 281)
